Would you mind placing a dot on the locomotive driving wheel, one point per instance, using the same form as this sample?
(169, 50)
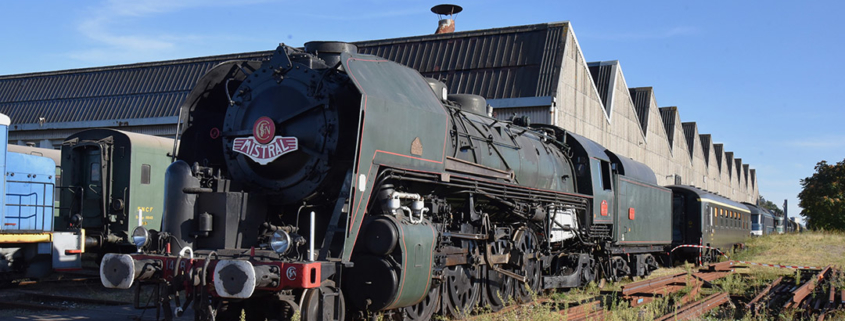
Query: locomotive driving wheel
(427, 307)
(529, 266)
(497, 286)
(323, 303)
(462, 289)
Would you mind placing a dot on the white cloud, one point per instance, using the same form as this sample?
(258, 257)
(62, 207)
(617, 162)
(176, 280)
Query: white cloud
(370, 16)
(818, 142)
(111, 44)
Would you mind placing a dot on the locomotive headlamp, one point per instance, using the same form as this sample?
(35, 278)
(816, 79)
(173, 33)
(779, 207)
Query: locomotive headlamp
(140, 237)
(280, 242)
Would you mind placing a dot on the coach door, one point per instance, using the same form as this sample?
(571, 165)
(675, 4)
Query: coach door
(686, 218)
(90, 184)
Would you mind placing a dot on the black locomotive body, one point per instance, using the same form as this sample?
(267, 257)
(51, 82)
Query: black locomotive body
(336, 184)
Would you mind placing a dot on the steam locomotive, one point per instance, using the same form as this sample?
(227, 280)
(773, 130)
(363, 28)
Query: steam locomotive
(332, 184)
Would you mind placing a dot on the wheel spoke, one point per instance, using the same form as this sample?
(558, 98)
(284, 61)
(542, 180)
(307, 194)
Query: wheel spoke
(426, 308)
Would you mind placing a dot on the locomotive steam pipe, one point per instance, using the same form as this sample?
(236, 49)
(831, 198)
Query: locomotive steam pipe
(311, 239)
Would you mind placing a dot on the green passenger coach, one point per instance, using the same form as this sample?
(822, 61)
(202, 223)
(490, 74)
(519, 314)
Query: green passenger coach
(707, 219)
(112, 183)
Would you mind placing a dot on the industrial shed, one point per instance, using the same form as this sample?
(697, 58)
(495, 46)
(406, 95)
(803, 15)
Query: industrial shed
(534, 70)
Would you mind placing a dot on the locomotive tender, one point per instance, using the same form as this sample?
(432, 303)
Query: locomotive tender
(337, 184)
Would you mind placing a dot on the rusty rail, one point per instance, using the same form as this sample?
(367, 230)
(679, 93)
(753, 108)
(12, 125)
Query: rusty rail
(643, 292)
(582, 310)
(698, 308)
(752, 305)
(801, 293)
(654, 285)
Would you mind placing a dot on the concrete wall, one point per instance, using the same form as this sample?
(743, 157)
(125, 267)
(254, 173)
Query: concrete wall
(580, 109)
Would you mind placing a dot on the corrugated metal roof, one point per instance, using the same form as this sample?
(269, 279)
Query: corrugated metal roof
(719, 148)
(689, 133)
(641, 96)
(668, 115)
(602, 74)
(729, 158)
(745, 172)
(145, 90)
(753, 177)
(705, 146)
(512, 62)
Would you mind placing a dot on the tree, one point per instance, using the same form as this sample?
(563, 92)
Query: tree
(823, 197)
(767, 204)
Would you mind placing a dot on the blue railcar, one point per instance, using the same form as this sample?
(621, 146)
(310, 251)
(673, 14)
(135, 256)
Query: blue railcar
(762, 220)
(29, 247)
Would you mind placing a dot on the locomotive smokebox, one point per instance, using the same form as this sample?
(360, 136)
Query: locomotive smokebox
(329, 51)
(283, 133)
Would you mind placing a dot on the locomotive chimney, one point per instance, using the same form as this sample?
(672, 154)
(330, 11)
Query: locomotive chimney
(447, 24)
(330, 51)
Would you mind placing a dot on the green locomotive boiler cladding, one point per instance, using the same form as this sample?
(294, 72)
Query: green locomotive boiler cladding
(112, 183)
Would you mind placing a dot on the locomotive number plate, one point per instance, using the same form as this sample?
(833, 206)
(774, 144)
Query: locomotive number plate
(265, 153)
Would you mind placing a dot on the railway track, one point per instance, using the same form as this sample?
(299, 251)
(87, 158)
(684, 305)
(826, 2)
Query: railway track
(811, 294)
(808, 294)
(60, 292)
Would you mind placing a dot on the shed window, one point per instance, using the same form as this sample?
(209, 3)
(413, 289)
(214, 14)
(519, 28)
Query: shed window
(145, 174)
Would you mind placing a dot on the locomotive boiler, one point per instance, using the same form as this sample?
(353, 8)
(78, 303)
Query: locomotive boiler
(334, 184)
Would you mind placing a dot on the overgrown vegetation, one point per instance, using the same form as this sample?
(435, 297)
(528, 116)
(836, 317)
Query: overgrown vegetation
(818, 249)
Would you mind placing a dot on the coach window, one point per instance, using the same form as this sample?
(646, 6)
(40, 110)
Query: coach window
(731, 219)
(711, 217)
(145, 174)
(95, 172)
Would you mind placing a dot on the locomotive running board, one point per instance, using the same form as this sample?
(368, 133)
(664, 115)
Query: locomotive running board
(462, 166)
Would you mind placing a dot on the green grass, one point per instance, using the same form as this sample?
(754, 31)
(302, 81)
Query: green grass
(817, 249)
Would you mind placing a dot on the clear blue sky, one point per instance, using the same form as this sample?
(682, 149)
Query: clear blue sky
(764, 78)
